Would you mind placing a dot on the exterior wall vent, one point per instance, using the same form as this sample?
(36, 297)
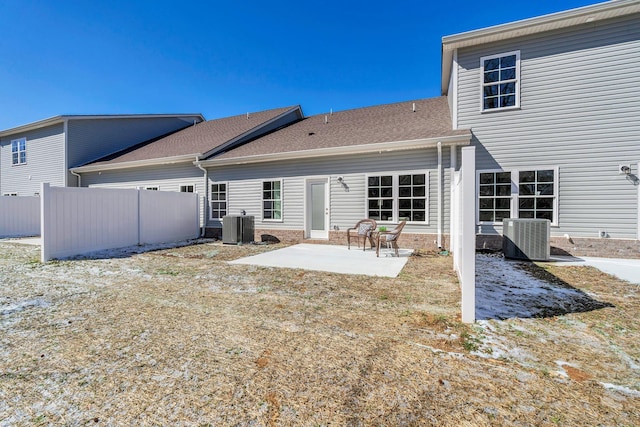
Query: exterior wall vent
(527, 239)
(237, 229)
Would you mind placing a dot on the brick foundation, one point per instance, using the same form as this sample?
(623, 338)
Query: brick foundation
(606, 248)
(407, 240)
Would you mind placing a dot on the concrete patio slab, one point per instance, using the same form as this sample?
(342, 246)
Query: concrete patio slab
(35, 241)
(333, 259)
(625, 269)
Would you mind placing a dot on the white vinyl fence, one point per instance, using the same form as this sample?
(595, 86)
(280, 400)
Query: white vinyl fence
(463, 237)
(19, 216)
(81, 220)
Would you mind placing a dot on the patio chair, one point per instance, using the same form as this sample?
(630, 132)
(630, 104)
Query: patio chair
(390, 237)
(362, 230)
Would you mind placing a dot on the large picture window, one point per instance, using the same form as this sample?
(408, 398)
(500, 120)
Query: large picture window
(19, 151)
(518, 194)
(272, 200)
(500, 81)
(218, 200)
(397, 197)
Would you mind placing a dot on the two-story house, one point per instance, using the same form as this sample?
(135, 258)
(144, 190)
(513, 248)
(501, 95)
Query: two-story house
(45, 150)
(553, 104)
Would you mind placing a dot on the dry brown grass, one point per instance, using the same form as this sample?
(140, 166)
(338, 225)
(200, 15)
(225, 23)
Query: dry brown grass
(180, 337)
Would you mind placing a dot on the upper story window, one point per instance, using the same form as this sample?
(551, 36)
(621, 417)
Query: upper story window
(19, 151)
(500, 81)
(187, 188)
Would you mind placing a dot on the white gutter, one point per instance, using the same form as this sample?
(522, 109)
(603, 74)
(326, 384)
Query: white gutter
(136, 163)
(344, 150)
(440, 201)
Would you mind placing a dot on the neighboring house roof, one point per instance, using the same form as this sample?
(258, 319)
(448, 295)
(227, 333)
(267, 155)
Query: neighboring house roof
(381, 127)
(554, 21)
(62, 118)
(189, 143)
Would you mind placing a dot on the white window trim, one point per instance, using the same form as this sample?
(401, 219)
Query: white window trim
(209, 192)
(187, 185)
(281, 200)
(17, 141)
(517, 81)
(515, 192)
(10, 194)
(152, 187)
(395, 179)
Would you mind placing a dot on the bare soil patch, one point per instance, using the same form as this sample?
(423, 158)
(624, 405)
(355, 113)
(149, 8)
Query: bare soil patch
(180, 337)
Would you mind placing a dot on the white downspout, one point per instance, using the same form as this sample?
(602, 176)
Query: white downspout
(65, 130)
(440, 201)
(206, 192)
(79, 177)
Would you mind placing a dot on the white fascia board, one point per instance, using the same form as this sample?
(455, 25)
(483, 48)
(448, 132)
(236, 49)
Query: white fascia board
(553, 21)
(60, 119)
(186, 158)
(231, 142)
(342, 151)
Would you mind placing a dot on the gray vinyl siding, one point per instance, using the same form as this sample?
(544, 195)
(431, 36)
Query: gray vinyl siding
(91, 139)
(579, 109)
(45, 161)
(165, 177)
(346, 206)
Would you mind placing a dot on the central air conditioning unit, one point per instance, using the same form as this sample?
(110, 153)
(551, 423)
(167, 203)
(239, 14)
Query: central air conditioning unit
(237, 229)
(527, 239)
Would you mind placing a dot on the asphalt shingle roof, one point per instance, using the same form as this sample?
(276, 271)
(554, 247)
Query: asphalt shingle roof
(197, 139)
(370, 125)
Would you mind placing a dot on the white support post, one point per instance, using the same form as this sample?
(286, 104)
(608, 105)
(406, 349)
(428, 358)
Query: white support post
(468, 228)
(45, 221)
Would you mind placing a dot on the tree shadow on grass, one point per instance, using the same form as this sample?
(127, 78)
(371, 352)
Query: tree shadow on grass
(509, 289)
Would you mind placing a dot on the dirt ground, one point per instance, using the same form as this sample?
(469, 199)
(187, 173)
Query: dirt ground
(180, 337)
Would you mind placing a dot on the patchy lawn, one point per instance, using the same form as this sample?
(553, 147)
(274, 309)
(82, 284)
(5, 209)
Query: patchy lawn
(180, 337)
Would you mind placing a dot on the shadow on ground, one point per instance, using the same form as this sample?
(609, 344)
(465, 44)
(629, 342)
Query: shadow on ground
(509, 289)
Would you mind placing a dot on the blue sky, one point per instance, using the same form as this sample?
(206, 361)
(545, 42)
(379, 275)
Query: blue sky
(227, 58)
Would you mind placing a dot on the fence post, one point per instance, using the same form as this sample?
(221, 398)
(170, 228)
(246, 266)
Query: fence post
(45, 221)
(468, 231)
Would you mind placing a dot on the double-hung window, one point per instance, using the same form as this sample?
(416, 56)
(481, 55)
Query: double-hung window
(272, 200)
(397, 197)
(218, 200)
(19, 151)
(500, 81)
(530, 193)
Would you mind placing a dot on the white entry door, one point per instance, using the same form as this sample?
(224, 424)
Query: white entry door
(317, 208)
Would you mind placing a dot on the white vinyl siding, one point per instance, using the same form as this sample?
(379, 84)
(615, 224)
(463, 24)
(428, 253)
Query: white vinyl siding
(348, 197)
(44, 161)
(579, 109)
